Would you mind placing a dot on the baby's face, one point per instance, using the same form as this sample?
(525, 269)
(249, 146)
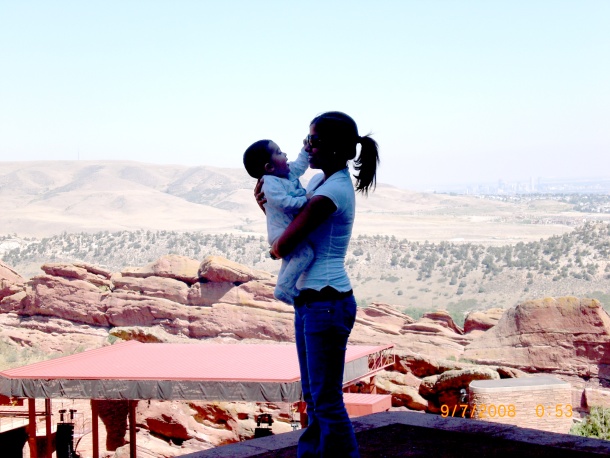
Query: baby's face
(278, 161)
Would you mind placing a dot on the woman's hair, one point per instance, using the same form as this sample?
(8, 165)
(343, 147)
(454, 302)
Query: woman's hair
(339, 133)
(256, 157)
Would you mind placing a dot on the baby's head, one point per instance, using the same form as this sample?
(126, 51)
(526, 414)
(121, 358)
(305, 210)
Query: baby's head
(264, 157)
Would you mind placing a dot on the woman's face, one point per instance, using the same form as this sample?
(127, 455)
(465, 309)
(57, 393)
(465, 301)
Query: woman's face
(318, 155)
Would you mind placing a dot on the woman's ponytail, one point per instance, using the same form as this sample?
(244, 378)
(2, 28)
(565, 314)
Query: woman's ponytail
(339, 133)
(366, 165)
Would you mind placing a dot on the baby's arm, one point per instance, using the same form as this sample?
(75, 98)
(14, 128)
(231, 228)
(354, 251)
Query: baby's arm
(300, 165)
(276, 195)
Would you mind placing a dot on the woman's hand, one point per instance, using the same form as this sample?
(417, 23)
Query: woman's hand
(259, 195)
(314, 213)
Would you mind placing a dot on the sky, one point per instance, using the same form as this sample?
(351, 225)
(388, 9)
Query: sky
(453, 91)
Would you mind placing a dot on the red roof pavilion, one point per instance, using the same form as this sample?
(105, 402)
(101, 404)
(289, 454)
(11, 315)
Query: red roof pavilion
(210, 372)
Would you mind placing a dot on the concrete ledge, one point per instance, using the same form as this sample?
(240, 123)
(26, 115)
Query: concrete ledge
(518, 384)
(252, 447)
(419, 434)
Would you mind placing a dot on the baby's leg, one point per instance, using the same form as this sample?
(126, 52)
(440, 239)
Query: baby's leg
(293, 266)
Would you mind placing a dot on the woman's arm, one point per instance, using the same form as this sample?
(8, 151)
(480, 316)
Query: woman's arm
(314, 213)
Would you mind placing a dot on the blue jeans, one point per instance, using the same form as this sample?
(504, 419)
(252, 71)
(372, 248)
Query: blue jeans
(321, 331)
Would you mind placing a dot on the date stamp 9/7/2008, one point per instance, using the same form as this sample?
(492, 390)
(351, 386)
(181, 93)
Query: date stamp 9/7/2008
(482, 411)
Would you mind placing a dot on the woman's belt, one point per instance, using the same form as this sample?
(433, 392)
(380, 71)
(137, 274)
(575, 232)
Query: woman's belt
(328, 293)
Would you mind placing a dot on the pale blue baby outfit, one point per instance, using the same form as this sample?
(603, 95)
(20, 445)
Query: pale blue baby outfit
(285, 197)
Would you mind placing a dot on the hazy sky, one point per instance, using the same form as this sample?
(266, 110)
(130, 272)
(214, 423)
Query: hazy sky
(454, 91)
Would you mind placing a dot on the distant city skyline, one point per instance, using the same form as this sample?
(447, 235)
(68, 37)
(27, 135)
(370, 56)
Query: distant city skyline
(454, 92)
(550, 185)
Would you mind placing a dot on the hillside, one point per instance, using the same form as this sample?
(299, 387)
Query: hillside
(414, 276)
(43, 199)
(417, 251)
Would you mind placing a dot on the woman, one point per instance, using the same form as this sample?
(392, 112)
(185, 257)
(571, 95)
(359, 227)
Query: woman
(325, 309)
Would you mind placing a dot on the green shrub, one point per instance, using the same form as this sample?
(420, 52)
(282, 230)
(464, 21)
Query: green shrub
(414, 312)
(596, 424)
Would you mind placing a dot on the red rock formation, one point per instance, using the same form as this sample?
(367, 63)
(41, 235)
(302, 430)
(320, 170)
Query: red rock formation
(447, 388)
(153, 286)
(442, 318)
(69, 298)
(167, 419)
(438, 324)
(219, 299)
(596, 397)
(10, 282)
(383, 317)
(403, 394)
(154, 304)
(68, 271)
(170, 266)
(83, 294)
(174, 299)
(219, 269)
(8, 274)
(563, 335)
(114, 416)
(482, 320)
(421, 365)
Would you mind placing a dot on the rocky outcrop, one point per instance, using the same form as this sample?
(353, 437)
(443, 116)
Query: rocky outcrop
(383, 317)
(422, 382)
(158, 297)
(596, 397)
(79, 272)
(145, 334)
(420, 365)
(482, 320)
(176, 299)
(114, 416)
(218, 423)
(11, 283)
(153, 286)
(403, 394)
(168, 419)
(9, 275)
(69, 298)
(169, 266)
(219, 269)
(442, 318)
(563, 335)
(215, 299)
(438, 324)
(451, 388)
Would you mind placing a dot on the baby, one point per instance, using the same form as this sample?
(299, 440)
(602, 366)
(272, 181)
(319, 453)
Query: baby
(285, 197)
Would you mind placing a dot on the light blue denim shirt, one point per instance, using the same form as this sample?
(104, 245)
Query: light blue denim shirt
(330, 240)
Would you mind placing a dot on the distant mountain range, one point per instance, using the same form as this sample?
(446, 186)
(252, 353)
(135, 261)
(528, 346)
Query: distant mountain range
(39, 199)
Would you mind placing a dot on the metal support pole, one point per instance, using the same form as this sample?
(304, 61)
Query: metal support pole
(32, 428)
(132, 428)
(47, 422)
(95, 432)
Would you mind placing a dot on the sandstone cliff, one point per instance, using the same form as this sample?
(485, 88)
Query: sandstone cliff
(73, 307)
(565, 335)
(181, 298)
